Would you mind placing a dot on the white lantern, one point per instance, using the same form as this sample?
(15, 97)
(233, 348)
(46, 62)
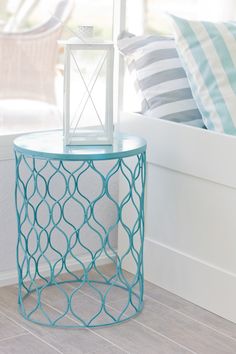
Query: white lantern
(88, 92)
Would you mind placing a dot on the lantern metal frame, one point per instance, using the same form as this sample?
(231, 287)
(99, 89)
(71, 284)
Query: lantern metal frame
(89, 136)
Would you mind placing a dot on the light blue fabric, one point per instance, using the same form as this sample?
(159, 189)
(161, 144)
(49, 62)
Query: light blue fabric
(208, 53)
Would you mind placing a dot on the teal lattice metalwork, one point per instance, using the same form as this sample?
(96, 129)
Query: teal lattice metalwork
(68, 214)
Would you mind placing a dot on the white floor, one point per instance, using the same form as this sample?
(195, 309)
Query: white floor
(167, 325)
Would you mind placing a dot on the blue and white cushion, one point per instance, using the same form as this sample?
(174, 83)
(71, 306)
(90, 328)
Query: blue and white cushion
(208, 53)
(160, 78)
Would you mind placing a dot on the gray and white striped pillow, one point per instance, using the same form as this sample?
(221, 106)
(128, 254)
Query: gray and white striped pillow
(160, 78)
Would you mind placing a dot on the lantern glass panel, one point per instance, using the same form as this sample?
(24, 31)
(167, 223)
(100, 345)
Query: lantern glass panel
(88, 85)
(89, 99)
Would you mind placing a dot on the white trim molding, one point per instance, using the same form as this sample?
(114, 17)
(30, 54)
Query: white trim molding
(11, 277)
(198, 281)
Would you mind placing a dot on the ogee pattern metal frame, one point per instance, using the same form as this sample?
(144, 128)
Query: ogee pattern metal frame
(35, 250)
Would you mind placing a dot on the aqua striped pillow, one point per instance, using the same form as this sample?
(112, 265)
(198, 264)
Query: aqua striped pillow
(208, 53)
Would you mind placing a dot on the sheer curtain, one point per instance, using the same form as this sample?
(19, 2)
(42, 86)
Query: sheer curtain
(150, 14)
(217, 10)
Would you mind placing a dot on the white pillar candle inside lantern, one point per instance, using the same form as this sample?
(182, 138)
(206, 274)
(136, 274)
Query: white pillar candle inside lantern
(88, 92)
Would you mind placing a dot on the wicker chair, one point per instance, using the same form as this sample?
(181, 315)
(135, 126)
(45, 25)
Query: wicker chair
(28, 61)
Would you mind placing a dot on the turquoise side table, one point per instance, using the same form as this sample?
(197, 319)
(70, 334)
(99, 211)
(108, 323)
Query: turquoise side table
(61, 280)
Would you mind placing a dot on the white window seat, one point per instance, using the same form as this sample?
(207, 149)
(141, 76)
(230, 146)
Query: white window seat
(23, 116)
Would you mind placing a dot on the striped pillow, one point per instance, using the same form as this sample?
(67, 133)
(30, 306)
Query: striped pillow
(160, 78)
(208, 52)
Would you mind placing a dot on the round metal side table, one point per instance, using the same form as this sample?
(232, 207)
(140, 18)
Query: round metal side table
(69, 213)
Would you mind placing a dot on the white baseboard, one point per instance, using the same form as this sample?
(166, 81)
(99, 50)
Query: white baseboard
(195, 280)
(11, 277)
